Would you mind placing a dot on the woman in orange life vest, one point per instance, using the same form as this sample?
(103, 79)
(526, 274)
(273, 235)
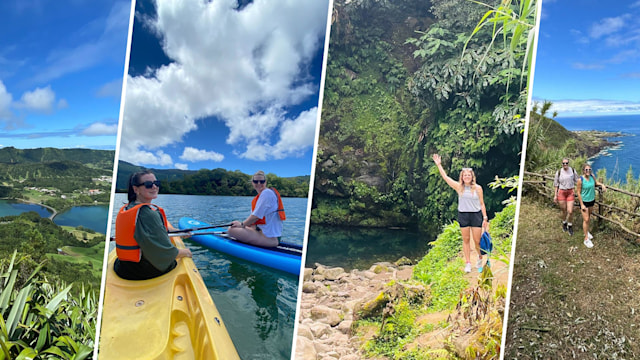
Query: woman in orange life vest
(266, 211)
(143, 247)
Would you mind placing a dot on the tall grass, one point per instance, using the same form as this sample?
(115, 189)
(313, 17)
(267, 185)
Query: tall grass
(42, 319)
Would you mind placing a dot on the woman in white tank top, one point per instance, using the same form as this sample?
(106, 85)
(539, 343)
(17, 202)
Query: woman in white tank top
(472, 214)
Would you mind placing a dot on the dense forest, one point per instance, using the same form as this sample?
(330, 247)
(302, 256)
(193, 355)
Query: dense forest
(213, 182)
(406, 79)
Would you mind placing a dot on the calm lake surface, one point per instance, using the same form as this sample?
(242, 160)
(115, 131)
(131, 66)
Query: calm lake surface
(93, 217)
(618, 160)
(258, 304)
(356, 248)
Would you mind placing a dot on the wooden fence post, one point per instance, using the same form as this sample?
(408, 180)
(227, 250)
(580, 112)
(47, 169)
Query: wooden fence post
(601, 200)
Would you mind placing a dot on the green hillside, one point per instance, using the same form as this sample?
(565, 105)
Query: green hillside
(213, 182)
(100, 159)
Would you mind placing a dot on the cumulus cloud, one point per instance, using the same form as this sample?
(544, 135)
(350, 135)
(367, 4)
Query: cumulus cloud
(147, 157)
(295, 136)
(100, 129)
(604, 107)
(181, 166)
(245, 67)
(193, 155)
(40, 99)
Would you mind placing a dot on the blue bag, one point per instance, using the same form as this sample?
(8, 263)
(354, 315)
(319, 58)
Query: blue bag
(486, 246)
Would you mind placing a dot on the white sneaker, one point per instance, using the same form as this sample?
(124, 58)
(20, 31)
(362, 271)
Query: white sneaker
(589, 236)
(479, 263)
(588, 243)
(467, 268)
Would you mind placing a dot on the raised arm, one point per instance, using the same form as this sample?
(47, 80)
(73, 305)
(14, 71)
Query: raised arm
(438, 161)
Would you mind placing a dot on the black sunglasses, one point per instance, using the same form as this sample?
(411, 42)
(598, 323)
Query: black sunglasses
(149, 184)
(565, 163)
(259, 181)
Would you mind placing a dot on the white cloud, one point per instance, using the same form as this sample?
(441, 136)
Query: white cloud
(581, 66)
(5, 102)
(576, 107)
(100, 129)
(295, 136)
(100, 38)
(63, 104)
(608, 26)
(40, 99)
(243, 66)
(193, 155)
(181, 166)
(111, 89)
(146, 157)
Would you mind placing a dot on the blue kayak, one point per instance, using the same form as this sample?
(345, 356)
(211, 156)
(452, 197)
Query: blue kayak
(286, 257)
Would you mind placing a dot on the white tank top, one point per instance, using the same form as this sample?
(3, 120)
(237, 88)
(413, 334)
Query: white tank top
(469, 201)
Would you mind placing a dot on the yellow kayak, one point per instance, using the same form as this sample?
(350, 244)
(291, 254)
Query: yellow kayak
(168, 317)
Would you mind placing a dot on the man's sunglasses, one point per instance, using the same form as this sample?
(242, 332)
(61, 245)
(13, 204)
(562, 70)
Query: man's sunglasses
(149, 184)
(259, 181)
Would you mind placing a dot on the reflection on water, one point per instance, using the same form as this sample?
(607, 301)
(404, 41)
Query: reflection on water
(359, 248)
(10, 207)
(257, 303)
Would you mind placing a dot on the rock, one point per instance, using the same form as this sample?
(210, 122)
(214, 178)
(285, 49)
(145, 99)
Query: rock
(326, 315)
(305, 350)
(310, 287)
(307, 274)
(345, 327)
(317, 277)
(320, 330)
(403, 261)
(305, 331)
(378, 268)
(370, 306)
(333, 273)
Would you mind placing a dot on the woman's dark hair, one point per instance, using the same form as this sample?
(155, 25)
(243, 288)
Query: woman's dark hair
(134, 180)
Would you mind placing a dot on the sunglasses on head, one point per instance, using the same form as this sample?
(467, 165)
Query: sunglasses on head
(259, 181)
(467, 169)
(149, 184)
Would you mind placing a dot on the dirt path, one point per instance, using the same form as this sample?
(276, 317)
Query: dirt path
(567, 301)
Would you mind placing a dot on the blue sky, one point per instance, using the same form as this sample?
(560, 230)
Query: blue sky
(61, 71)
(217, 85)
(588, 57)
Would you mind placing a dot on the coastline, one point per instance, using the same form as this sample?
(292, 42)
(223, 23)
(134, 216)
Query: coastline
(597, 142)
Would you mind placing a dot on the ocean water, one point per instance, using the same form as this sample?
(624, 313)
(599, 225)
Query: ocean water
(616, 160)
(257, 304)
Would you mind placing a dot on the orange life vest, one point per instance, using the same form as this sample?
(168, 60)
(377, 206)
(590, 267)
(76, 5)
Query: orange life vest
(127, 247)
(281, 213)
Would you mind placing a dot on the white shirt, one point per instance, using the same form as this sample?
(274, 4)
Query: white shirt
(267, 207)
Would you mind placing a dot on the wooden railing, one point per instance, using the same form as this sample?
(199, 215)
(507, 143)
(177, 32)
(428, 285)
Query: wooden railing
(544, 186)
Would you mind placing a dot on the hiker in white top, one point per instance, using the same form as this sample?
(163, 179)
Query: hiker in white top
(564, 182)
(472, 214)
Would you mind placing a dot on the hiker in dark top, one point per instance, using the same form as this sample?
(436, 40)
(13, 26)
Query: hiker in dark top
(586, 191)
(564, 183)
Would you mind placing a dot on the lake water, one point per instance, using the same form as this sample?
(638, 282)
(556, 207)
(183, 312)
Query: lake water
(257, 303)
(358, 248)
(9, 208)
(618, 160)
(93, 217)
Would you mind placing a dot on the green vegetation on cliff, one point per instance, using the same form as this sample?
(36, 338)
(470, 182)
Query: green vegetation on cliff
(404, 81)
